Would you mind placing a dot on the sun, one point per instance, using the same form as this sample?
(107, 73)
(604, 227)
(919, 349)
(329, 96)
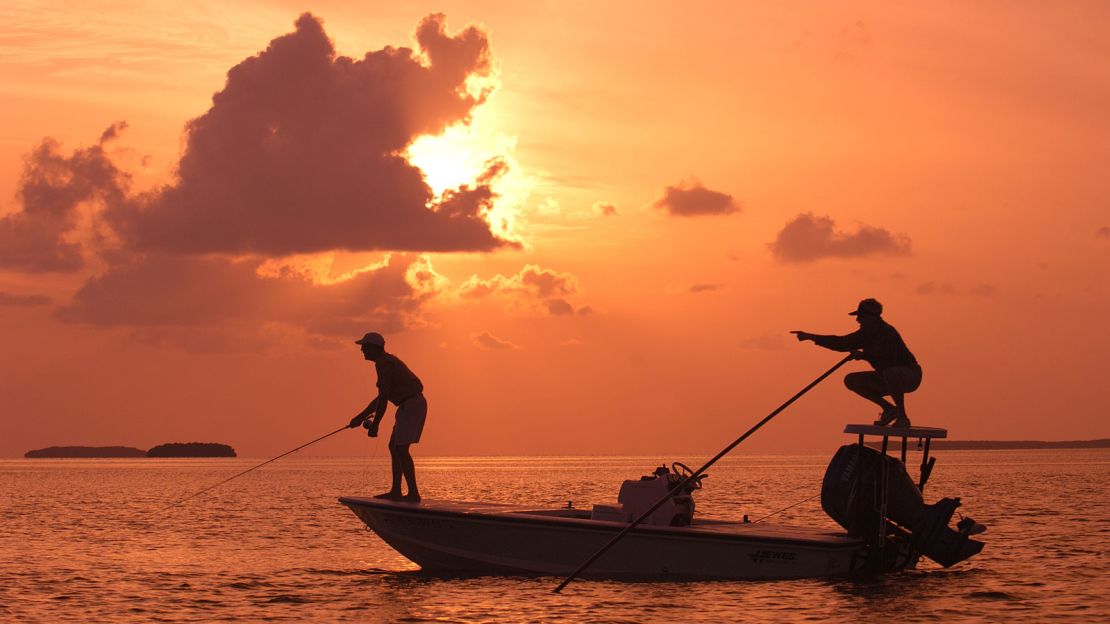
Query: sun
(461, 154)
(448, 160)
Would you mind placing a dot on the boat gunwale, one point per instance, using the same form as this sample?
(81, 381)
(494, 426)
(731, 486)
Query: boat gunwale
(831, 542)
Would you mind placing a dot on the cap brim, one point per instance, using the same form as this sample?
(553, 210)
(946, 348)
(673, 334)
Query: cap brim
(856, 313)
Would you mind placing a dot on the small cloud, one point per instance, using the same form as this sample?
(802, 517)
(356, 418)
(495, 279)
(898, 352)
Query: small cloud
(808, 237)
(572, 342)
(22, 301)
(852, 41)
(559, 307)
(691, 199)
(1103, 232)
(533, 286)
(606, 210)
(764, 342)
(486, 340)
(700, 288)
(948, 288)
(585, 311)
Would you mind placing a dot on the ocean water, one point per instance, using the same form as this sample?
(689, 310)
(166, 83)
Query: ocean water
(92, 540)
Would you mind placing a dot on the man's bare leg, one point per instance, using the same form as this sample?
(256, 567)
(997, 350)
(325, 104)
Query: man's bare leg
(408, 469)
(396, 464)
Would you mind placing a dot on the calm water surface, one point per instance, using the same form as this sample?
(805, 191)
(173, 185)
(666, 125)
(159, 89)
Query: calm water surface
(90, 540)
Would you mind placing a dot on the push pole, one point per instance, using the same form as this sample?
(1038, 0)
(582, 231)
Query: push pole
(212, 487)
(697, 473)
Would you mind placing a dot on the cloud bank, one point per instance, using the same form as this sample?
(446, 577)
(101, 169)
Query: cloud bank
(162, 290)
(22, 301)
(807, 238)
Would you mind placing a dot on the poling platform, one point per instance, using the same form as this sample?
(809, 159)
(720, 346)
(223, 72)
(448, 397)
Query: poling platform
(923, 434)
(897, 432)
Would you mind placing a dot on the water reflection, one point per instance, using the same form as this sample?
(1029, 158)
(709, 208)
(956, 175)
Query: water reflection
(85, 540)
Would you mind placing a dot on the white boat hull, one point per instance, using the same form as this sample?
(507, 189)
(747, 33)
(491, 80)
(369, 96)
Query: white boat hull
(445, 536)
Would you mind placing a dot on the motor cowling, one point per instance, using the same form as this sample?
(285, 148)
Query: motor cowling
(851, 494)
(637, 496)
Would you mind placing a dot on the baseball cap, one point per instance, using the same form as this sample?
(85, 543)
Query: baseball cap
(373, 338)
(868, 306)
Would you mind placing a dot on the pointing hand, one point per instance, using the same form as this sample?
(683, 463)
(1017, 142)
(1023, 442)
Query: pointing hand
(802, 336)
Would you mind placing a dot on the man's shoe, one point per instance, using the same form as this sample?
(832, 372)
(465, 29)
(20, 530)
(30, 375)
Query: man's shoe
(901, 423)
(886, 418)
(390, 495)
(410, 498)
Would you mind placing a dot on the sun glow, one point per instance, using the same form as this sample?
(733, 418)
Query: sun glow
(461, 154)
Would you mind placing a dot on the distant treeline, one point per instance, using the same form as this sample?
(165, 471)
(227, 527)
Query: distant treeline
(173, 449)
(987, 445)
(191, 449)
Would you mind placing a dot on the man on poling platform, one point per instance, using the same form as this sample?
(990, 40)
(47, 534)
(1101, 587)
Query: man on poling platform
(398, 385)
(896, 369)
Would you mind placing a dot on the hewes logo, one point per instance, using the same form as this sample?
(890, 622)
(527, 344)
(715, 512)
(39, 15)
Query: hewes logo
(772, 556)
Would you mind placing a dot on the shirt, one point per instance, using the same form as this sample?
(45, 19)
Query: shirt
(882, 346)
(396, 382)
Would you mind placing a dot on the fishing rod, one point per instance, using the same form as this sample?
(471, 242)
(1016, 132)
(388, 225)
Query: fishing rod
(697, 473)
(212, 487)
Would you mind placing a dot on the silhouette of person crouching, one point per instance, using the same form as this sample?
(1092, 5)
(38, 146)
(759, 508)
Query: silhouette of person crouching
(896, 369)
(398, 385)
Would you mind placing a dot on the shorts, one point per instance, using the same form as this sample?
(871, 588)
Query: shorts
(409, 421)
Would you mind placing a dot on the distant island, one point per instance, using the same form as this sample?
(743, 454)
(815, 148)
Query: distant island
(174, 449)
(191, 449)
(992, 445)
(85, 452)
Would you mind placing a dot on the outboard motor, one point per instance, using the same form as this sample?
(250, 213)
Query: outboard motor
(851, 494)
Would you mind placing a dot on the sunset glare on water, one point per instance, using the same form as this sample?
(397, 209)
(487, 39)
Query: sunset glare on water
(589, 230)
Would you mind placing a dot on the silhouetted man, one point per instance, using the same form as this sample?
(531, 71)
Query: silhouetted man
(398, 385)
(896, 369)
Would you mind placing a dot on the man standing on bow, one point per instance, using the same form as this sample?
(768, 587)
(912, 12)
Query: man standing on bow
(896, 369)
(398, 385)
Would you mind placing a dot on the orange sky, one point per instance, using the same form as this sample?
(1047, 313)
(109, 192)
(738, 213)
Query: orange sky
(679, 187)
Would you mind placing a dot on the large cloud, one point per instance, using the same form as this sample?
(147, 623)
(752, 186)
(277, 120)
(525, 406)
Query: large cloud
(808, 237)
(691, 199)
(53, 188)
(301, 152)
